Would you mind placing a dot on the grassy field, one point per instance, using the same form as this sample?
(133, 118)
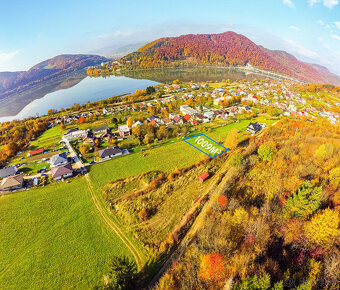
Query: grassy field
(32, 168)
(53, 238)
(48, 139)
(172, 155)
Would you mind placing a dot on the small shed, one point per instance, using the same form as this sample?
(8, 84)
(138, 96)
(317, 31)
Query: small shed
(203, 176)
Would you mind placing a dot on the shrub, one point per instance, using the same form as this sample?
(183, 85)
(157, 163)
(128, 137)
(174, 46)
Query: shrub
(334, 177)
(236, 160)
(255, 282)
(265, 152)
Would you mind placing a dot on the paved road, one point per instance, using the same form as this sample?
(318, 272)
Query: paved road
(77, 161)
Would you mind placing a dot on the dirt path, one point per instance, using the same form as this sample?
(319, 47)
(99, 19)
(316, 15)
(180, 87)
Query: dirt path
(140, 261)
(213, 192)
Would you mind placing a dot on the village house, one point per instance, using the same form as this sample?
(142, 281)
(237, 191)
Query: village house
(8, 171)
(255, 127)
(187, 110)
(177, 120)
(124, 131)
(12, 183)
(100, 129)
(58, 159)
(107, 135)
(110, 152)
(75, 133)
(62, 171)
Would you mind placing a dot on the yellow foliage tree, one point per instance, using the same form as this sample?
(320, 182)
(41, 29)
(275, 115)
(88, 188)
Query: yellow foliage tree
(232, 139)
(323, 227)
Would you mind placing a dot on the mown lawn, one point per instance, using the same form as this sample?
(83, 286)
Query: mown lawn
(53, 238)
(32, 168)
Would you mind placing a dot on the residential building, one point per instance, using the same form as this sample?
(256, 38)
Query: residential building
(110, 152)
(187, 110)
(59, 159)
(12, 182)
(75, 133)
(255, 127)
(8, 171)
(124, 131)
(62, 171)
(100, 129)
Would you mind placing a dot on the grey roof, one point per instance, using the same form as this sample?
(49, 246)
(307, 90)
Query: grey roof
(255, 127)
(8, 171)
(71, 131)
(109, 151)
(100, 129)
(58, 158)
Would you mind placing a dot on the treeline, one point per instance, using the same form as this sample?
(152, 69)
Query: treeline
(16, 135)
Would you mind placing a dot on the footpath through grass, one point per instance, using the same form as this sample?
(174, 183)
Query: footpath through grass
(54, 238)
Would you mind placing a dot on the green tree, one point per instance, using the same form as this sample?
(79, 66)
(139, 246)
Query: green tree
(303, 202)
(122, 273)
(150, 90)
(265, 152)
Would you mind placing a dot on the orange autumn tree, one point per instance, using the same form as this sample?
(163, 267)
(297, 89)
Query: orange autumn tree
(222, 201)
(212, 268)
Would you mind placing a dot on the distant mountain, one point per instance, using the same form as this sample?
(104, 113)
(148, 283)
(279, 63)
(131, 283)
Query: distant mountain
(118, 52)
(14, 82)
(229, 49)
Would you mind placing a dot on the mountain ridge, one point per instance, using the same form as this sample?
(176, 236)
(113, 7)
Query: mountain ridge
(12, 82)
(229, 49)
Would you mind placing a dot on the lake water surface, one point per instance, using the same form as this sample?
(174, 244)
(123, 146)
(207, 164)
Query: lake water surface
(81, 89)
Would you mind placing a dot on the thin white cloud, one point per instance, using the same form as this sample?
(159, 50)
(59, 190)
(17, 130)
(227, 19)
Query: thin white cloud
(320, 39)
(336, 36)
(301, 50)
(289, 3)
(327, 3)
(295, 28)
(6, 56)
(320, 22)
(337, 24)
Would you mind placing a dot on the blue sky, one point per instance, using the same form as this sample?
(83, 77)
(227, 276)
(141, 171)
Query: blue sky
(32, 31)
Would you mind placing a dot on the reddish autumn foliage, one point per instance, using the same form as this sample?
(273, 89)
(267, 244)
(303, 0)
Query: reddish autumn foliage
(212, 267)
(81, 120)
(228, 48)
(222, 201)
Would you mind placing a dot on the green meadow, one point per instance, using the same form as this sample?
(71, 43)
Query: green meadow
(54, 238)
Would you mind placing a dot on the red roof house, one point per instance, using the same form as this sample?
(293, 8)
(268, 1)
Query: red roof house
(186, 117)
(153, 122)
(37, 151)
(203, 176)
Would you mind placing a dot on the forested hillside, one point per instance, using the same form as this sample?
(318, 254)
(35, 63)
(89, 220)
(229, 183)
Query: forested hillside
(277, 222)
(229, 49)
